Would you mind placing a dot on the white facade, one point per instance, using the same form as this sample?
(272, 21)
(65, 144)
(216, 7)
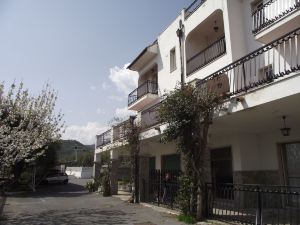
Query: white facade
(263, 85)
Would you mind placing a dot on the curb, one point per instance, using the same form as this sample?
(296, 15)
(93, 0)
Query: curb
(161, 209)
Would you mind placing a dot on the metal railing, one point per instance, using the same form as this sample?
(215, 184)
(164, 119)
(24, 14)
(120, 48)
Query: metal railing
(272, 11)
(161, 190)
(253, 204)
(149, 87)
(150, 117)
(193, 7)
(272, 61)
(103, 139)
(119, 131)
(207, 55)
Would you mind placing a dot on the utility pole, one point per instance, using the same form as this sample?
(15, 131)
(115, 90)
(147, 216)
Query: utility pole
(180, 35)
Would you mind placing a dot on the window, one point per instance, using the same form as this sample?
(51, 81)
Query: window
(172, 59)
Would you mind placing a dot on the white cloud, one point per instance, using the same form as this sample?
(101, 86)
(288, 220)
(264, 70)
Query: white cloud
(93, 88)
(124, 113)
(105, 85)
(124, 79)
(116, 98)
(100, 111)
(85, 134)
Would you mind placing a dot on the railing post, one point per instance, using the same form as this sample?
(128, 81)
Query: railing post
(258, 218)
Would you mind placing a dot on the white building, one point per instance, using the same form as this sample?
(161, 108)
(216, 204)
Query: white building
(248, 50)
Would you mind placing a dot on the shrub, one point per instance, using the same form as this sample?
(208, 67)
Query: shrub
(105, 183)
(91, 186)
(187, 219)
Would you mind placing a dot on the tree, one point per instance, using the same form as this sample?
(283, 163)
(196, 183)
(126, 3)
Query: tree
(188, 111)
(132, 135)
(28, 124)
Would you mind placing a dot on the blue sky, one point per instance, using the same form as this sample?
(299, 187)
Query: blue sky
(80, 47)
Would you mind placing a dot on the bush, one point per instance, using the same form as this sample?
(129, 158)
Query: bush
(184, 195)
(91, 186)
(187, 219)
(105, 183)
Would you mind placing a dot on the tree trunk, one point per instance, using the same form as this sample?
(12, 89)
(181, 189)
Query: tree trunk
(200, 205)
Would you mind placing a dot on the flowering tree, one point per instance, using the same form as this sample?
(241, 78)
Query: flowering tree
(28, 124)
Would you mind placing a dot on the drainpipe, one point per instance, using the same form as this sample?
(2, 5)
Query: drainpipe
(180, 35)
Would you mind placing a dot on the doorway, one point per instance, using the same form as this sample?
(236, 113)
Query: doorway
(221, 166)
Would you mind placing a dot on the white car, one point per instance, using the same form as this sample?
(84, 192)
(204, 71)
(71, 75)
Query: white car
(57, 177)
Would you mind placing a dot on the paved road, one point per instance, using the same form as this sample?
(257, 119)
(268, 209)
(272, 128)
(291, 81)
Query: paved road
(71, 204)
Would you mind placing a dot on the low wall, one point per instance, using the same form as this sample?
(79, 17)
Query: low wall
(80, 172)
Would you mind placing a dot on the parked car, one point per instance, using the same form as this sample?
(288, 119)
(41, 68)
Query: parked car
(56, 177)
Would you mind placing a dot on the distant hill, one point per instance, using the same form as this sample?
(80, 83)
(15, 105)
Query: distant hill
(68, 149)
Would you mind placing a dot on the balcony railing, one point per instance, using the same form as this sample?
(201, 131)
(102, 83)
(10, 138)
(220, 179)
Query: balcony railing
(193, 7)
(271, 12)
(149, 117)
(119, 131)
(272, 61)
(149, 87)
(103, 139)
(206, 56)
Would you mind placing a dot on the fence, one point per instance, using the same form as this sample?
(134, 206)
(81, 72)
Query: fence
(119, 131)
(149, 87)
(272, 61)
(253, 204)
(150, 117)
(207, 55)
(163, 186)
(103, 138)
(272, 11)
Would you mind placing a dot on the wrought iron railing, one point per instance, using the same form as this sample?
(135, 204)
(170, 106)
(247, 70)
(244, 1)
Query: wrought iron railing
(119, 131)
(272, 11)
(207, 55)
(272, 61)
(150, 117)
(103, 139)
(149, 87)
(162, 188)
(193, 7)
(253, 204)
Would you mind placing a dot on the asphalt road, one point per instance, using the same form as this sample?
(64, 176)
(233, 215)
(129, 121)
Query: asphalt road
(71, 204)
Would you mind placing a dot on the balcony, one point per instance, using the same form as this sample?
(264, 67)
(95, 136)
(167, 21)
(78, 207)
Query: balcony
(192, 8)
(150, 117)
(103, 139)
(119, 131)
(206, 56)
(273, 61)
(275, 18)
(205, 43)
(144, 95)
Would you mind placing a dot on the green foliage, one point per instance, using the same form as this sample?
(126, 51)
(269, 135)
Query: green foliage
(66, 153)
(188, 112)
(187, 219)
(91, 186)
(184, 194)
(105, 183)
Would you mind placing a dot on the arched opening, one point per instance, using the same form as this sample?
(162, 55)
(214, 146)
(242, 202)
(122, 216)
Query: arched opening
(205, 43)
